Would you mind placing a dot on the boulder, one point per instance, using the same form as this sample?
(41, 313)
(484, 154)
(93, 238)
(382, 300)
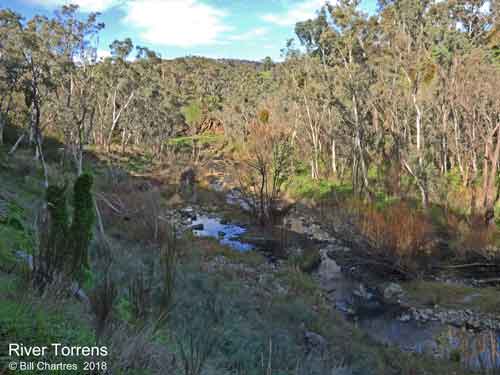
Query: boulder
(392, 292)
(328, 268)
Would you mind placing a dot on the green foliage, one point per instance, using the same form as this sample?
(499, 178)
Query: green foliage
(303, 186)
(57, 241)
(82, 224)
(308, 261)
(63, 246)
(14, 236)
(201, 139)
(26, 320)
(192, 113)
(455, 356)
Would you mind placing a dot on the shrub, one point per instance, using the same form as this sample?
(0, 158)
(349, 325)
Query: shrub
(308, 261)
(63, 248)
(102, 300)
(265, 171)
(82, 224)
(399, 236)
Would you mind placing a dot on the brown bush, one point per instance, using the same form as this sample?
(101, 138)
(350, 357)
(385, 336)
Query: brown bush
(472, 237)
(265, 171)
(403, 231)
(396, 238)
(135, 210)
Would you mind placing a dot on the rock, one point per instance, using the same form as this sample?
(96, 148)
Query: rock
(224, 221)
(404, 318)
(197, 227)
(221, 234)
(188, 213)
(175, 200)
(344, 307)
(210, 125)
(328, 268)
(392, 292)
(363, 293)
(315, 342)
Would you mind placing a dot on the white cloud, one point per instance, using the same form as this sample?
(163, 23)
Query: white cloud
(295, 13)
(256, 33)
(181, 23)
(85, 5)
(102, 54)
(486, 8)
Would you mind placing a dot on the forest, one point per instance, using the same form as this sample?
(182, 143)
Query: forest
(361, 170)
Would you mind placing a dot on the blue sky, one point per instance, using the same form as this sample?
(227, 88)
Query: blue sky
(245, 29)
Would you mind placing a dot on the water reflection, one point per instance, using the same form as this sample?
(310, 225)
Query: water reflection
(478, 350)
(475, 350)
(226, 233)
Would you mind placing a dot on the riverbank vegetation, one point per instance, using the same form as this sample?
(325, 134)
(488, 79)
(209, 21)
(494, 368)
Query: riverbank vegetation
(383, 128)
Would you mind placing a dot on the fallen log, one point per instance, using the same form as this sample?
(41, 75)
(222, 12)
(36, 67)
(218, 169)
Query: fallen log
(470, 265)
(493, 280)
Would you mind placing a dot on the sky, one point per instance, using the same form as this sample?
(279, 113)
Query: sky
(242, 29)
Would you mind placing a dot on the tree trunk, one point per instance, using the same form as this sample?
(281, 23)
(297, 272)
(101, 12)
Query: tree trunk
(334, 158)
(418, 124)
(2, 125)
(492, 191)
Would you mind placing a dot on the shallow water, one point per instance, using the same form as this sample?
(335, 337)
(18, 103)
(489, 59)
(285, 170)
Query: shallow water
(479, 350)
(475, 350)
(227, 234)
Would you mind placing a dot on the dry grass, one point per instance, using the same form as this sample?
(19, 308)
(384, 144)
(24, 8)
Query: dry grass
(403, 231)
(454, 296)
(393, 238)
(473, 236)
(134, 209)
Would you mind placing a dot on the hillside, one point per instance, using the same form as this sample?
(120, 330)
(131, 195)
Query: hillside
(334, 213)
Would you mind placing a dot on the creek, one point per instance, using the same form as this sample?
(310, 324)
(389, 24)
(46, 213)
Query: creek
(382, 322)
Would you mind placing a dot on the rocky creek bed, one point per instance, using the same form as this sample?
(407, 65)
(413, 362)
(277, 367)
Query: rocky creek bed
(381, 310)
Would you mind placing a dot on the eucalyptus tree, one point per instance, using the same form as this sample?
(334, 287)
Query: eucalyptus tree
(116, 92)
(75, 99)
(352, 44)
(38, 48)
(11, 63)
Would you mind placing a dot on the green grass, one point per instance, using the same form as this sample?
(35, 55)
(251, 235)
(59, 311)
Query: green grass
(300, 283)
(210, 248)
(29, 320)
(303, 186)
(14, 236)
(308, 261)
(430, 293)
(202, 139)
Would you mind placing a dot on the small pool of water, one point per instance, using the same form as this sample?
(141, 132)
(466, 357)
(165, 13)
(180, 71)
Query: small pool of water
(227, 234)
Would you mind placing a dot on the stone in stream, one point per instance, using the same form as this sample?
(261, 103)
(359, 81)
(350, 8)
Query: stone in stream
(404, 318)
(392, 292)
(197, 226)
(328, 268)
